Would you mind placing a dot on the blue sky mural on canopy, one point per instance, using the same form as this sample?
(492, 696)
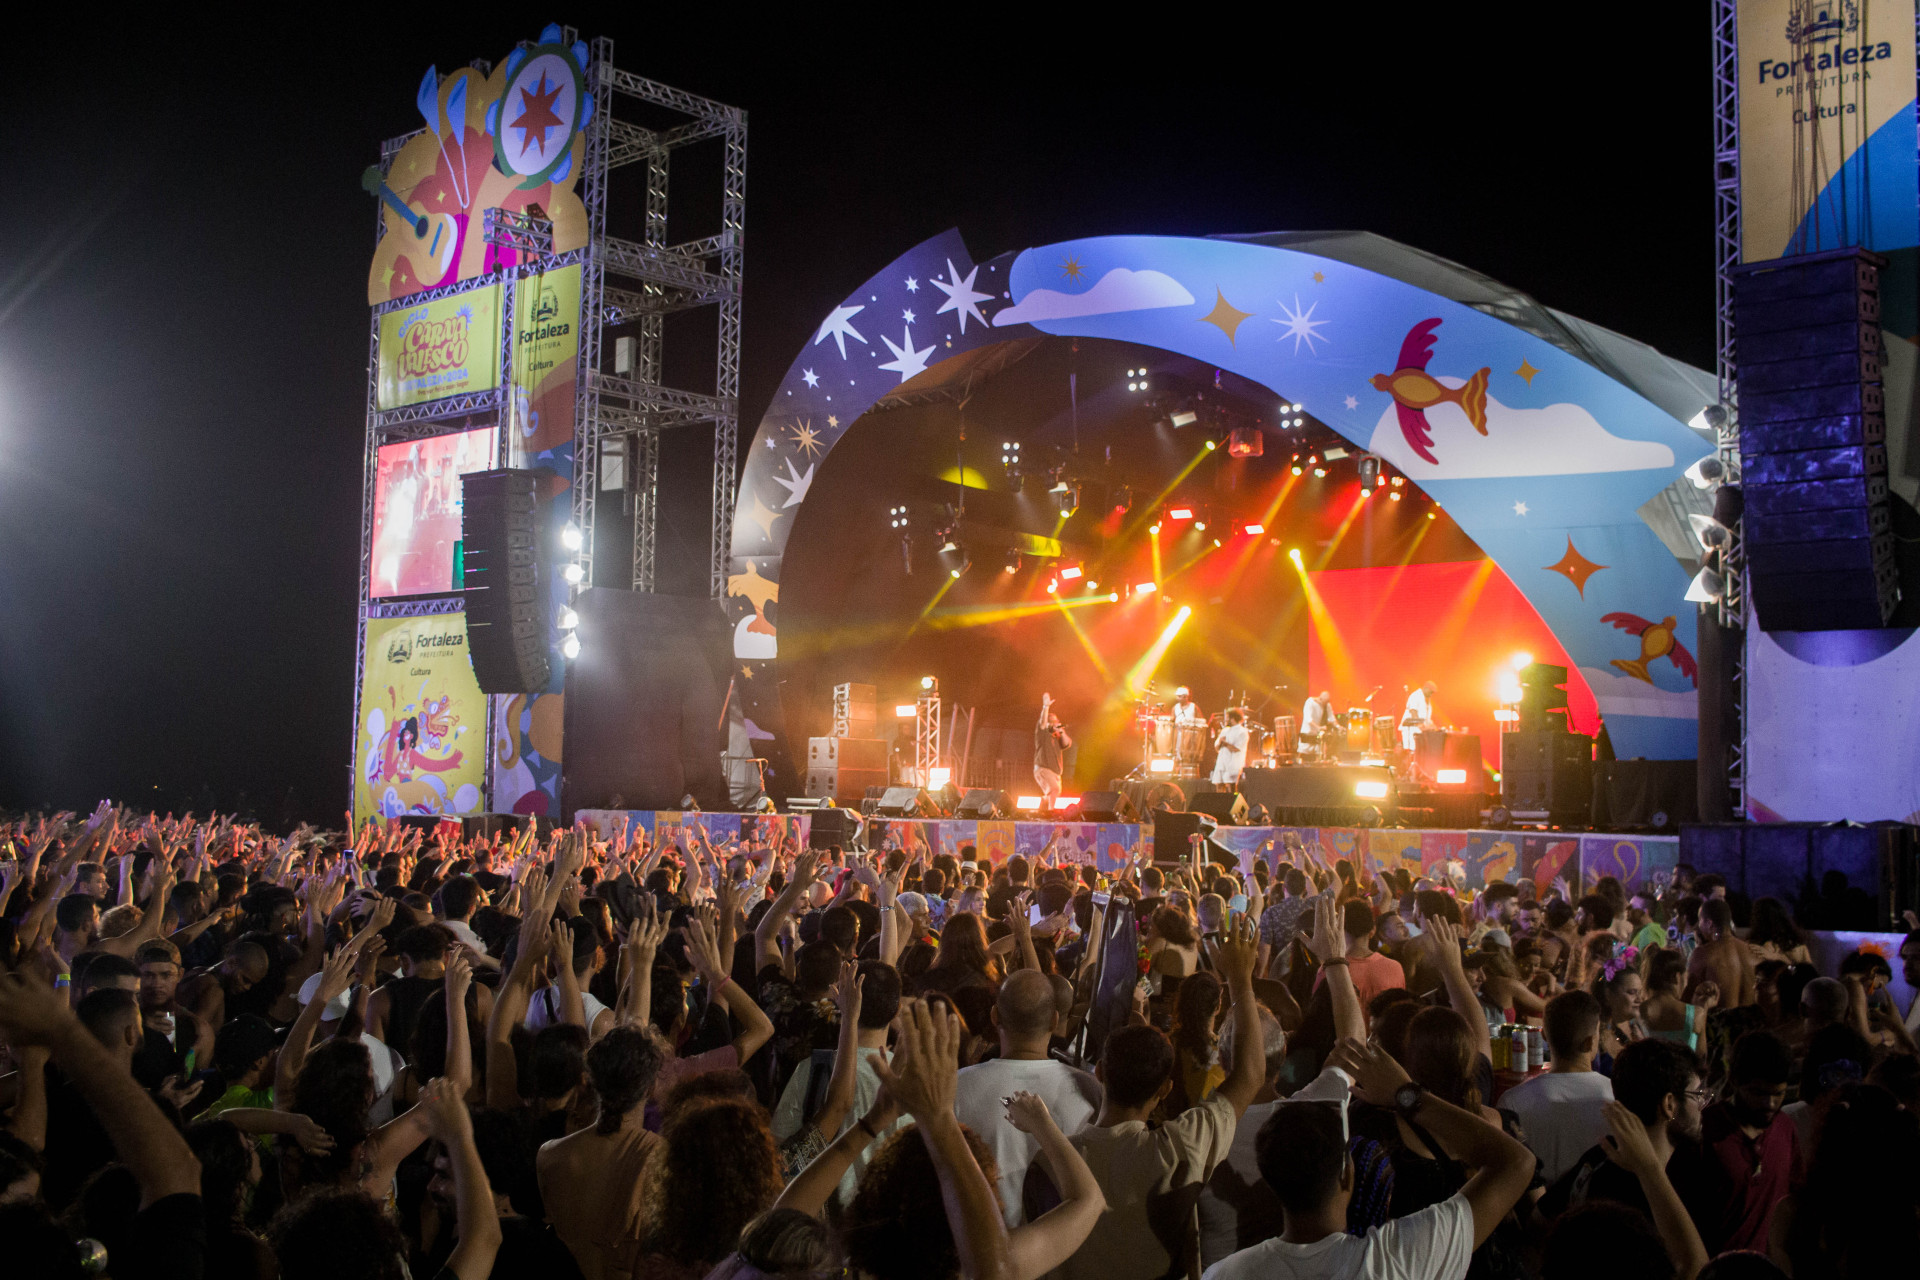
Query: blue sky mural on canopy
(1539, 456)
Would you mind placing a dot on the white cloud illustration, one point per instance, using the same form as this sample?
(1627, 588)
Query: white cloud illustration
(1121, 289)
(1558, 440)
(1621, 695)
(754, 646)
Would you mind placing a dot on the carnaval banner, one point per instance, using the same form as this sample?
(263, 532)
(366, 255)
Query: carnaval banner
(421, 738)
(446, 347)
(1827, 132)
(546, 357)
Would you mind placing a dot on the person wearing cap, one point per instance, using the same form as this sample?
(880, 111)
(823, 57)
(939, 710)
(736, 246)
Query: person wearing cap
(1184, 709)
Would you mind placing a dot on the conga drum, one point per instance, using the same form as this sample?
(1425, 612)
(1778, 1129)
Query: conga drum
(1190, 743)
(1359, 729)
(1383, 734)
(1286, 736)
(1160, 736)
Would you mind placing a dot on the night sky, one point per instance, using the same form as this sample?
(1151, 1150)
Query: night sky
(183, 326)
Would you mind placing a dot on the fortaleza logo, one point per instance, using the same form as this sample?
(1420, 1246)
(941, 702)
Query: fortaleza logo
(546, 322)
(1822, 24)
(429, 346)
(404, 645)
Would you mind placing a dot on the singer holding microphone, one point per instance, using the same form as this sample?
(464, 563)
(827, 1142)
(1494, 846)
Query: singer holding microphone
(1051, 742)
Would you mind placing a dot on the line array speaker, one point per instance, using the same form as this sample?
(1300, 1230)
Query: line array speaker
(507, 623)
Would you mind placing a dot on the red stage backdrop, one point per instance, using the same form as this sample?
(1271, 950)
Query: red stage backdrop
(1457, 623)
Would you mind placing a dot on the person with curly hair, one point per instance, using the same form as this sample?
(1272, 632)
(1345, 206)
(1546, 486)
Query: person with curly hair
(717, 1169)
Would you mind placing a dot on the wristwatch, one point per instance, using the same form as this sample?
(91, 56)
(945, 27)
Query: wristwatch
(1406, 1099)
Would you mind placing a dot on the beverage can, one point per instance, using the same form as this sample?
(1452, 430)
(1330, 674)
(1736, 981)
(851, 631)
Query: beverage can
(1502, 1050)
(1517, 1056)
(1536, 1048)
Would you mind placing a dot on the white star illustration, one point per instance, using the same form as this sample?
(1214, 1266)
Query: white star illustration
(1352, 403)
(771, 444)
(913, 286)
(961, 296)
(1519, 508)
(795, 484)
(908, 313)
(837, 324)
(811, 378)
(1301, 325)
(906, 361)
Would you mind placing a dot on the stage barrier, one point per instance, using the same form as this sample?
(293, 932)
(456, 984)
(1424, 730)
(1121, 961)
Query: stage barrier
(1484, 856)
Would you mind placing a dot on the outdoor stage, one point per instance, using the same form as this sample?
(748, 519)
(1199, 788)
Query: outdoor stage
(1484, 855)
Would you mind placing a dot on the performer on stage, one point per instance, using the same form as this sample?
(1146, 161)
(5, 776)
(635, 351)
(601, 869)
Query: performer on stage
(1317, 716)
(1418, 714)
(1230, 751)
(1050, 745)
(1184, 711)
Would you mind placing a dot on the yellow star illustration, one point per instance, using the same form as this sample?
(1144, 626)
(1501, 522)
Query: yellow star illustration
(1319, 277)
(1576, 568)
(1526, 372)
(440, 195)
(764, 516)
(386, 277)
(806, 439)
(746, 671)
(1071, 268)
(832, 421)
(1225, 316)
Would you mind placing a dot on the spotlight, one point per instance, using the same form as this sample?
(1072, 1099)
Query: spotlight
(1092, 585)
(1707, 472)
(1430, 515)
(929, 683)
(570, 536)
(1398, 481)
(1160, 766)
(568, 619)
(1521, 660)
(898, 516)
(1180, 513)
(1450, 777)
(1296, 408)
(1256, 529)
(1199, 526)
(947, 544)
(1293, 554)
(1184, 418)
(1216, 542)
(1320, 472)
(1013, 560)
(573, 573)
(1507, 686)
(1711, 418)
(960, 569)
(905, 710)
(1369, 789)
(1296, 470)
(1707, 587)
(1313, 459)
(1153, 528)
(1146, 588)
(1070, 572)
(1212, 445)
(1053, 586)
(570, 647)
(1335, 451)
(1712, 534)
(938, 778)
(1395, 496)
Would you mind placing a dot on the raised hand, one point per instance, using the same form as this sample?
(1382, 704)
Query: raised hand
(313, 1139)
(179, 1092)
(459, 976)
(560, 944)
(848, 992)
(1707, 994)
(444, 1110)
(1328, 941)
(1443, 942)
(31, 1011)
(1237, 951)
(1028, 1112)
(1376, 1076)
(925, 1069)
(336, 975)
(1628, 1145)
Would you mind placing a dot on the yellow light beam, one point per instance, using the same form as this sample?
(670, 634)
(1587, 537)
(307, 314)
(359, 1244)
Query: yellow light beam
(1320, 618)
(1142, 671)
(988, 615)
(946, 585)
(1148, 511)
(1247, 553)
(1093, 654)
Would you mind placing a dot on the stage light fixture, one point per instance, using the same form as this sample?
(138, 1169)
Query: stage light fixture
(1320, 472)
(1027, 804)
(1709, 419)
(1506, 715)
(1184, 418)
(1071, 572)
(1296, 408)
(1053, 586)
(1398, 481)
(1256, 529)
(1296, 471)
(1113, 597)
(959, 569)
(1212, 445)
(1450, 777)
(1507, 687)
(570, 647)
(1707, 587)
(1430, 515)
(1154, 527)
(929, 683)
(947, 544)
(1200, 526)
(1379, 481)
(1520, 660)
(1712, 534)
(1707, 472)
(898, 516)
(938, 778)
(1013, 560)
(1313, 459)
(1160, 766)
(1146, 588)
(1293, 554)
(570, 536)
(1335, 452)
(573, 573)
(568, 619)
(1180, 513)
(1393, 494)
(1216, 542)
(1092, 585)
(905, 710)
(1369, 467)
(1369, 789)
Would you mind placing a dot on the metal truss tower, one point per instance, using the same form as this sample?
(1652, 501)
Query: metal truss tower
(1732, 609)
(624, 283)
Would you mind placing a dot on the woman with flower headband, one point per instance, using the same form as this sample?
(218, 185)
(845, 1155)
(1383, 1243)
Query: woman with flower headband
(1621, 992)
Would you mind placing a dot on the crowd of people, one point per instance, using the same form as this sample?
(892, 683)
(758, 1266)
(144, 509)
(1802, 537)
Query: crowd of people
(397, 1052)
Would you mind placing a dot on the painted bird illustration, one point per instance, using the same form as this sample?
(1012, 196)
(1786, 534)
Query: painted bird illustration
(1656, 642)
(757, 590)
(1414, 390)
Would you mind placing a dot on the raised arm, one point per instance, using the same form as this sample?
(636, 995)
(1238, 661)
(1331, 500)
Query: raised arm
(755, 1028)
(1629, 1147)
(476, 1220)
(1039, 1246)
(459, 977)
(1233, 959)
(1443, 942)
(334, 977)
(1328, 943)
(765, 949)
(848, 993)
(150, 1147)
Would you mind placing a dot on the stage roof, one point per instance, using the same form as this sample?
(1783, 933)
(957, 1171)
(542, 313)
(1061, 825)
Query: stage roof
(1675, 386)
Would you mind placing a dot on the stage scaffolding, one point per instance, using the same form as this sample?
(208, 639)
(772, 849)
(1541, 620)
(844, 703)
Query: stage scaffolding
(631, 285)
(1732, 608)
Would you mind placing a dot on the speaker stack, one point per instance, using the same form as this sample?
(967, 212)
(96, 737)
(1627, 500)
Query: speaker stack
(507, 623)
(1813, 455)
(1544, 768)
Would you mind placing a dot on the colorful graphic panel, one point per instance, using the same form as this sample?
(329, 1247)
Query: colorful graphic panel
(422, 721)
(441, 348)
(416, 510)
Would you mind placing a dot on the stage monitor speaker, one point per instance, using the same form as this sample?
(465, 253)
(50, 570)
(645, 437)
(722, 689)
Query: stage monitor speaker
(1106, 806)
(829, 827)
(906, 802)
(1228, 808)
(1816, 529)
(508, 622)
(486, 824)
(1173, 831)
(421, 822)
(985, 803)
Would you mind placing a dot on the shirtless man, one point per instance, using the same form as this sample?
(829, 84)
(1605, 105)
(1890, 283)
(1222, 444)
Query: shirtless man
(591, 1180)
(205, 994)
(1720, 958)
